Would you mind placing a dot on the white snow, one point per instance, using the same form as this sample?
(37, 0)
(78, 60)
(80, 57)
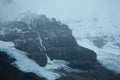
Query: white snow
(60, 65)
(25, 64)
(109, 54)
(50, 71)
(109, 57)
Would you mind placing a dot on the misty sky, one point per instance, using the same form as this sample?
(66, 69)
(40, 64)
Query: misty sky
(63, 9)
(8, 10)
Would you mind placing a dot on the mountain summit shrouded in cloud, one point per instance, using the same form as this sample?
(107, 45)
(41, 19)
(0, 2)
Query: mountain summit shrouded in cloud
(35, 47)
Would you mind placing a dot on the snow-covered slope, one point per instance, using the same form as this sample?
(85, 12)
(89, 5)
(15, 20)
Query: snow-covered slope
(102, 36)
(28, 65)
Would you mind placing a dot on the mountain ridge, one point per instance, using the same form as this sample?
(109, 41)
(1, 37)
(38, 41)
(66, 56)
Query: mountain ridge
(49, 46)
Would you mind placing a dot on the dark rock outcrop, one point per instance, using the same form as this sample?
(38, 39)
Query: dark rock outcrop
(98, 73)
(40, 36)
(9, 72)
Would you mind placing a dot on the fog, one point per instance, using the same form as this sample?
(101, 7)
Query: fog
(62, 9)
(8, 10)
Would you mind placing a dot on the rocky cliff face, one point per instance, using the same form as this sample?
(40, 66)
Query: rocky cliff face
(40, 36)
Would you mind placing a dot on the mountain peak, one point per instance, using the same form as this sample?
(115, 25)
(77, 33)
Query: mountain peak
(27, 16)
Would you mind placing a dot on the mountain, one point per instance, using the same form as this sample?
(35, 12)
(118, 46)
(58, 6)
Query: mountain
(43, 48)
(40, 36)
(100, 35)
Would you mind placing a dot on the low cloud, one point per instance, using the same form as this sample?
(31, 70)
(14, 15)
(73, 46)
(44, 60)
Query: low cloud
(6, 1)
(62, 9)
(8, 10)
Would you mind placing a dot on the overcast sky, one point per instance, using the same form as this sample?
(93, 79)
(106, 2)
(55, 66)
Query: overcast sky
(63, 9)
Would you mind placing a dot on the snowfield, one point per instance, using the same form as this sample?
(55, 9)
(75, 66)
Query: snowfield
(102, 36)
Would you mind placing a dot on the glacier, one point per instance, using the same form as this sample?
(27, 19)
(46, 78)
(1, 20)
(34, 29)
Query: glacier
(100, 35)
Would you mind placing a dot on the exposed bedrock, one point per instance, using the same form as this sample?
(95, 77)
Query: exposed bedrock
(40, 36)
